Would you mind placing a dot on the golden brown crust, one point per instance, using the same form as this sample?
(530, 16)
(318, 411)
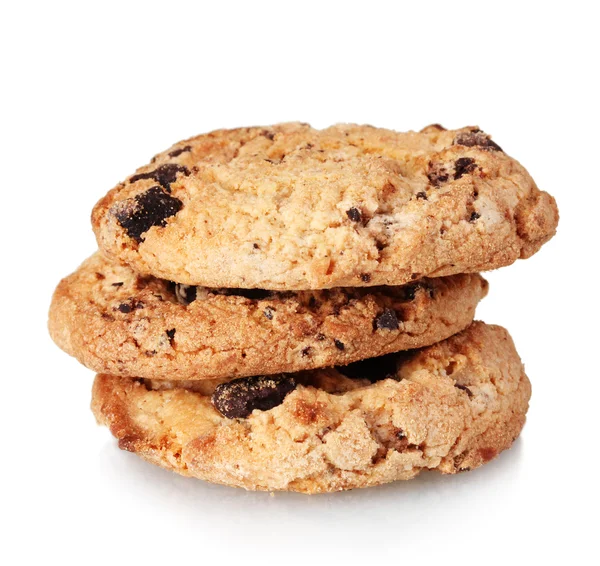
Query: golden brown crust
(452, 407)
(116, 322)
(290, 207)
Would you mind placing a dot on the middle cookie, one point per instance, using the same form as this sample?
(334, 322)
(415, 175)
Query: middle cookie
(114, 321)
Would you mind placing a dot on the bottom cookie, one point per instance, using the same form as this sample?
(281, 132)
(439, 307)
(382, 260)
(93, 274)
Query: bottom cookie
(450, 407)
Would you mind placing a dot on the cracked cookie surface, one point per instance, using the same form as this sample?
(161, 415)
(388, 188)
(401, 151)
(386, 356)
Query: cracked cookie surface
(449, 407)
(116, 322)
(291, 207)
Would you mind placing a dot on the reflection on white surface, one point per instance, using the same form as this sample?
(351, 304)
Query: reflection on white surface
(399, 505)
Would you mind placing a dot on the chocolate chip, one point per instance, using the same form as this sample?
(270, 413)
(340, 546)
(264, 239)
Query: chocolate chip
(422, 195)
(354, 214)
(365, 277)
(463, 165)
(256, 246)
(476, 138)
(151, 208)
(373, 369)
(117, 284)
(305, 352)
(163, 175)
(170, 335)
(130, 306)
(387, 320)
(437, 174)
(339, 345)
(268, 312)
(238, 398)
(464, 388)
(185, 294)
(179, 151)
(474, 216)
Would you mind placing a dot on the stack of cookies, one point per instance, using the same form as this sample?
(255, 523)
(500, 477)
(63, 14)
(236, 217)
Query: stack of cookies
(286, 308)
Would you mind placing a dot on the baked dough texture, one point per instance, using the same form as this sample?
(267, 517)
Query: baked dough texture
(289, 207)
(117, 322)
(449, 407)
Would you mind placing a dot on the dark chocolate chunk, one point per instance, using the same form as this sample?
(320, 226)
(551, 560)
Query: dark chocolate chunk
(354, 214)
(463, 165)
(129, 306)
(437, 174)
(305, 352)
(474, 216)
(387, 320)
(179, 151)
(421, 195)
(163, 175)
(373, 369)
(476, 138)
(365, 277)
(339, 345)
(117, 284)
(151, 208)
(238, 398)
(170, 335)
(464, 388)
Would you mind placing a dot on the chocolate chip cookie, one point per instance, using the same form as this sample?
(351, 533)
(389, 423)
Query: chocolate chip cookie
(115, 321)
(449, 407)
(289, 207)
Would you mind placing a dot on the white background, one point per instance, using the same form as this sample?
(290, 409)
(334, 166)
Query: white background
(90, 91)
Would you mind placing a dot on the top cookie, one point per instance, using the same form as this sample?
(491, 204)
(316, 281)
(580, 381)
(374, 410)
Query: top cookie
(290, 207)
